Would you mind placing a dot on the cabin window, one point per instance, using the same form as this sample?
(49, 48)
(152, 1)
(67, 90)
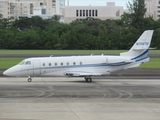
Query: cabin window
(61, 63)
(28, 63)
(74, 63)
(43, 64)
(50, 64)
(55, 64)
(67, 63)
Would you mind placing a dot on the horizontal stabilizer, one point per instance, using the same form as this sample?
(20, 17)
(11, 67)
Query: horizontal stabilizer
(138, 49)
(152, 48)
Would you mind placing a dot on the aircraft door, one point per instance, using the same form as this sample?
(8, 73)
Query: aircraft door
(36, 67)
(106, 60)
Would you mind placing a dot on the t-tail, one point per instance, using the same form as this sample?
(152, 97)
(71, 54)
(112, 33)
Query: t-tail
(139, 51)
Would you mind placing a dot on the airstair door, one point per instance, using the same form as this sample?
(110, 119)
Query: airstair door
(36, 68)
(106, 60)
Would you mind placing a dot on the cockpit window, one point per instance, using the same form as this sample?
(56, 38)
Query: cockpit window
(28, 63)
(21, 63)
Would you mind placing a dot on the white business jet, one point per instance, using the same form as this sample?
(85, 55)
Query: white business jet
(84, 66)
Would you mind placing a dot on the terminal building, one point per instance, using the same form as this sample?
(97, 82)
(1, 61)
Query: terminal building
(110, 11)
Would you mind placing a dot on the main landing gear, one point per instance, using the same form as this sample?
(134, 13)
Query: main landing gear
(29, 79)
(89, 80)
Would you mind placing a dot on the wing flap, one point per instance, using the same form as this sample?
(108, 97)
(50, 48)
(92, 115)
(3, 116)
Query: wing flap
(82, 74)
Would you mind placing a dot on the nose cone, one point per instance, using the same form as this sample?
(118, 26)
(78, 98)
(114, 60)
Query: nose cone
(11, 71)
(7, 73)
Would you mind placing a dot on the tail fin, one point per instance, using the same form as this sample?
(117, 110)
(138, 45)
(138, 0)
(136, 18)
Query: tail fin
(141, 47)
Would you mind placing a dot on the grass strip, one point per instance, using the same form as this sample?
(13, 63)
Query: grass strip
(153, 63)
(68, 51)
(9, 62)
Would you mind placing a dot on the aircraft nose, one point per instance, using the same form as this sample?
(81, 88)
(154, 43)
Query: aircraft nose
(6, 73)
(13, 71)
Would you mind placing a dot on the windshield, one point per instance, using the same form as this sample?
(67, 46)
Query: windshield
(21, 63)
(28, 63)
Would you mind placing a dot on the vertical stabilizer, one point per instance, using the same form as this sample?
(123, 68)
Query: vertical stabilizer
(141, 46)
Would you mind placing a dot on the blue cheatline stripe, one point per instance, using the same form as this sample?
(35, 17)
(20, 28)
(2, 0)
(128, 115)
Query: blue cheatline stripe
(89, 65)
(118, 64)
(144, 53)
(142, 59)
(81, 66)
(77, 66)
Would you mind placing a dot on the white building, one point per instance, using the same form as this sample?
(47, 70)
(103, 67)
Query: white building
(16, 8)
(4, 8)
(110, 11)
(153, 8)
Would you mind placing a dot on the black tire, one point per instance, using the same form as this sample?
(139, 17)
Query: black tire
(89, 80)
(29, 79)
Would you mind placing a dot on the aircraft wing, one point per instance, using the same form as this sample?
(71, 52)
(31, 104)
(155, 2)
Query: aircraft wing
(83, 74)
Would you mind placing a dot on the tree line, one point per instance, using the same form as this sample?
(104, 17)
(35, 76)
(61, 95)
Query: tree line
(88, 34)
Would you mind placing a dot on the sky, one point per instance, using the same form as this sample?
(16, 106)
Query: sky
(97, 2)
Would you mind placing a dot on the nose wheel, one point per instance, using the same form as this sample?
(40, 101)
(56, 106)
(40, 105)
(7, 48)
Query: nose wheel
(29, 79)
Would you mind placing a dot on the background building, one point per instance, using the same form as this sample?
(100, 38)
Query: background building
(48, 8)
(110, 11)
(24, 8)
(153, 8)
(4, 10)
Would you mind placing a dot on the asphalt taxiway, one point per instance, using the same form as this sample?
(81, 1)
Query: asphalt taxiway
(61, 98)
(132, 94)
